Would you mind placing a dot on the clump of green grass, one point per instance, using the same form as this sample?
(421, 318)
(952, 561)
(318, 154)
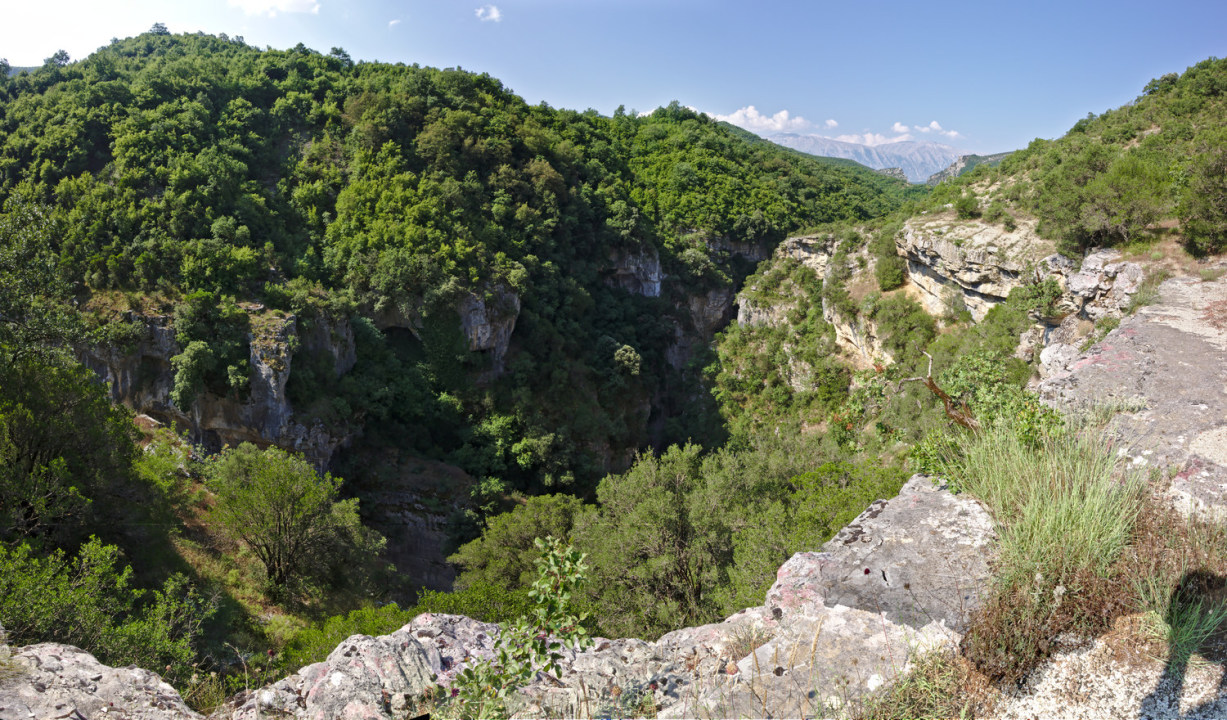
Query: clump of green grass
(1211, 274)
(746, 639)
(1148, 291)
(1062, 502)
(1065, 508)
(1180, 582)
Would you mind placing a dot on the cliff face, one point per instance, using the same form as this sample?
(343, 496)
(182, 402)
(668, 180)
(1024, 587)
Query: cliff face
(856, 335)
(488, 322)
(978, 262)
(141, 377)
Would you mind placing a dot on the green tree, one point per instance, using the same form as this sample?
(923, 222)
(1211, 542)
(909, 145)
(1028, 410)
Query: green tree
(65, 453)
(657, 548)
(1203, 206)
(36, 314)
(289, 515)
(505, 554)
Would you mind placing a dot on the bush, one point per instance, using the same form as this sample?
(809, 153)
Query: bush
(87, 601)
(534, 643)
(967, 206)
(904, 326)
(505, 555)
(1203, 206)
(890, 271)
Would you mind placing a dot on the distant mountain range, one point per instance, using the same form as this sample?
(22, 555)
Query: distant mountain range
(918, 160)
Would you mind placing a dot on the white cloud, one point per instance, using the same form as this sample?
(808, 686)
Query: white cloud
(393, 23)
(871, 139)
(751, 119)
(489, 13)
(831, 124)
(935, 126)
(898, 127)
(272, 7)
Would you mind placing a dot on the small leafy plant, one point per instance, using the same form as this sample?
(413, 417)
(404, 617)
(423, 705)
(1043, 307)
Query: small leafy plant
(532, 644)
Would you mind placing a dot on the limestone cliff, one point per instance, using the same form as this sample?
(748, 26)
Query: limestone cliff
(141, 377)
(977, 262)
(637, 272)
(857, 336)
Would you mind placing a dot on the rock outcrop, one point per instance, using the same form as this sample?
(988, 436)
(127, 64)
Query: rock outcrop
(50, 680)
(837, 624)
(363, 679)
(637, 272)
(857, 335)
(967, 260)
(488, 322)
(1163, 369)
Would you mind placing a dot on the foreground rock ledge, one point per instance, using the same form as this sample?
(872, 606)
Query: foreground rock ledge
(50, 680)
(837, 624)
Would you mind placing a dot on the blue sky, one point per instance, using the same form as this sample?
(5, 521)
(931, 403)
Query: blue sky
(984, 76)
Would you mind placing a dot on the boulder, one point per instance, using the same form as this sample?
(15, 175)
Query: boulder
(50, 680)
(365, 678)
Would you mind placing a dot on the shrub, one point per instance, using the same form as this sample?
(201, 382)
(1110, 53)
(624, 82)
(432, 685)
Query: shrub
(88, 601)
(533, 644)
(1203, 205)
(904, 326)
(967, 206)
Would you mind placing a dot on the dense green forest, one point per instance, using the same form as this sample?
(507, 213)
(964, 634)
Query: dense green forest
(210, 172)
(210, 183)
(200, 178)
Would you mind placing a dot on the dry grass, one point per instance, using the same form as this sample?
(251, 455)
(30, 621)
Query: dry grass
(940, 685)
(1171, 579)
(1215, 314)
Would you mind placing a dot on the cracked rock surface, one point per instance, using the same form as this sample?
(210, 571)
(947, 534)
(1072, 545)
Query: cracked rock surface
(50, 680)
(1165, 367)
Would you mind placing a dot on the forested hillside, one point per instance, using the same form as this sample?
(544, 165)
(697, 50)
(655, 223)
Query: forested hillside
(686, 351)
(223, 190)
(1116, 176)
(199, 168)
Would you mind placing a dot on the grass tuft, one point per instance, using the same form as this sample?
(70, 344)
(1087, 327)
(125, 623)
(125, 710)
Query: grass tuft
(1065, 508)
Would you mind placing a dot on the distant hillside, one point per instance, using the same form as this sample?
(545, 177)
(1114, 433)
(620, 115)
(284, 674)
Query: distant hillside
(918, 160)
(965, 164)
(1155, 164)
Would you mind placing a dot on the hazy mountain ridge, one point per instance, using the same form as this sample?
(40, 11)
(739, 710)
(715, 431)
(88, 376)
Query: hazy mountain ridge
(919, 160)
